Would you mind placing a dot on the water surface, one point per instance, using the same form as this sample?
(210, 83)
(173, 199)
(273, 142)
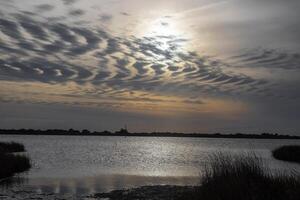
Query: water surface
(89, 164)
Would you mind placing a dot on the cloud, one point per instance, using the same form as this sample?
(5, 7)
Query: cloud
(34, 29)
(125, 13)
(69, 2)
(44, 7)
(54, 52)
(267, 58)
(82, 59)
(63, 32)
(10, 28)
(77, 12)
(106, 18)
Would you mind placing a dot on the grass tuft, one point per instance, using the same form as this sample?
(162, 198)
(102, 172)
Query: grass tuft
(10, 163)
(287, 153)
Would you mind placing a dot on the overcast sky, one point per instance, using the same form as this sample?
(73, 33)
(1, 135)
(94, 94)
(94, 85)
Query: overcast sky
(160, 65)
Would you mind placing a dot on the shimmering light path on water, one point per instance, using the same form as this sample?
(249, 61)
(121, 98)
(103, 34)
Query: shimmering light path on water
(88, 164)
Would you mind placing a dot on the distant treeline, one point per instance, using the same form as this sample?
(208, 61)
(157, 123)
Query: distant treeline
(124, 132)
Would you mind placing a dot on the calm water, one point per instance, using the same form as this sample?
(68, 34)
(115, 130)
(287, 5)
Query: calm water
(88, 164)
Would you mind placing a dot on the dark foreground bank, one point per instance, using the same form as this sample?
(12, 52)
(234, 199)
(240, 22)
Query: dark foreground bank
(227, 178)
(11, 163)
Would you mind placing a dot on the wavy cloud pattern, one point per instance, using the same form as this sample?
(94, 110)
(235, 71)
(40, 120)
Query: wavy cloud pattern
(63, 52)
(267, 58)
(48, 53)
(54, 52)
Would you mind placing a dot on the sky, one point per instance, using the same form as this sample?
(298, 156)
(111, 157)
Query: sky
(162, 65)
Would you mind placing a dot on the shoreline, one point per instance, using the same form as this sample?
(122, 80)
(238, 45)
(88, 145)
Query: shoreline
(167, 135)
(147, 192)
(157, 192)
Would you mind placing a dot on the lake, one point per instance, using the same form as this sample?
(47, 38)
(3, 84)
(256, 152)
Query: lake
(88, 164)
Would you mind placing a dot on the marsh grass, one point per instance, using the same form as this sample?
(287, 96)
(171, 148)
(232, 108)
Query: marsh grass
(287, 153)
(11, 147)
(246, 177)
(11, 163)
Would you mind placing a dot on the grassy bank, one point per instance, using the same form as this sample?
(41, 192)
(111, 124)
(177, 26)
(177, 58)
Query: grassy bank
(287, 153)
(10, 163)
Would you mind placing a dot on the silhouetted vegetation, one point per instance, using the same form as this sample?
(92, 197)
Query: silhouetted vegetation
(10, 163)
(245, 177)
(10, 147)
(125, 132)
(287, 153)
